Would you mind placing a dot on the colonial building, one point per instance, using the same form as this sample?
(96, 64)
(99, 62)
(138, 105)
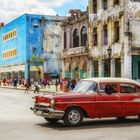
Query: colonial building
(114, 38)
(75, 47)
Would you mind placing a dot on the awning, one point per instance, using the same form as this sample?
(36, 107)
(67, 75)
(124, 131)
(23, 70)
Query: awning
(12, 68)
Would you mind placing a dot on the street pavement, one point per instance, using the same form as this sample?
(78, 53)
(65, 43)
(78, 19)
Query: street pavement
(17, 122)
(50, 89)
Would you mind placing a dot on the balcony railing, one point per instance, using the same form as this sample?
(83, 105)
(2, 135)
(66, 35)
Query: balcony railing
(74, 51)
(105, 14)
(117, 49)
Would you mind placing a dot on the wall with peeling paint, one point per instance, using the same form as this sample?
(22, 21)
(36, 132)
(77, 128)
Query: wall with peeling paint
(53, 48)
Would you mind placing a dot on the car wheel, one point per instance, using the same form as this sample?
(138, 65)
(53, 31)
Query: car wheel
(121, 118)
(53, 121)
(73, 117)
(139, 117)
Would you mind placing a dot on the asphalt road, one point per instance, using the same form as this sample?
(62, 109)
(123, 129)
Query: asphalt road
(17, 122)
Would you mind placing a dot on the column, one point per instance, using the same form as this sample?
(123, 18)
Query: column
(100, 35)
(90, 7)
(81, 73)
(90, 37)
(68, 38)
(122, 67)
(127, 58)
(90, 68)
(100, 4)
(73, 74)
(63, 70)
(113, 67)
(101, 68)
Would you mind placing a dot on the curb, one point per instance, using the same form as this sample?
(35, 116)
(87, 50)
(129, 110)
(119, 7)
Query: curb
(24, 89)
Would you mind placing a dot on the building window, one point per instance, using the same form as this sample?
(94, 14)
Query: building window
(117, 67)
(9, 54)
(105, 4)
(96, 69)
(65, 40)
(95, 36)
(75, 38)
(116, 2)
(94, 6)
(105, 34)
(83, 36)
(116, 31)
(9, 35)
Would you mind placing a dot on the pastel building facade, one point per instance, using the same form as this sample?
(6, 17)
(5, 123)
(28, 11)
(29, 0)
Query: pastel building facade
(114, 38)
(19, 41)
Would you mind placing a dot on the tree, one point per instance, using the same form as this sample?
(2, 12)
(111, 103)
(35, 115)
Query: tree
(35, 60)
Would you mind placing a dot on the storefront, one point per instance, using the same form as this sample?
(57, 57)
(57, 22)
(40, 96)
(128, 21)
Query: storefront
(136, 67)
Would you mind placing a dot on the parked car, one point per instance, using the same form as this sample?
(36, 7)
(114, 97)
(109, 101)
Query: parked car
(91, 98)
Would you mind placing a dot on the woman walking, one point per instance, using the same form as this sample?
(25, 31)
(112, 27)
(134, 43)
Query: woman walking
(27, 87)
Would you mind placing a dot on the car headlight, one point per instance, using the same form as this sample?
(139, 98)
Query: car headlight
(52, 102)
(34, 99)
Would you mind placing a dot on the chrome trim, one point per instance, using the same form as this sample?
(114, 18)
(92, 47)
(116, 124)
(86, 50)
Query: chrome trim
(48, 112)
(43, 104)
(94, 102)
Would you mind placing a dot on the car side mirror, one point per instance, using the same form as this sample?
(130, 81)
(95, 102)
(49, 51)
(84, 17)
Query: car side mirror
(102, 91)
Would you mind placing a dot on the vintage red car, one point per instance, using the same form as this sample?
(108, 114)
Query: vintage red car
(91, 98)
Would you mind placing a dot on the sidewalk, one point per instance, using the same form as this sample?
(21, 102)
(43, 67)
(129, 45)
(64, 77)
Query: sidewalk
(52, 88)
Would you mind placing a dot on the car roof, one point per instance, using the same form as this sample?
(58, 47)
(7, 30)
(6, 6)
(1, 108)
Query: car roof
(110, 79)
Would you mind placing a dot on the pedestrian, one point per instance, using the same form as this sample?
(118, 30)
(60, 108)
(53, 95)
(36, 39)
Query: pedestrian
(15, 83)
(4, 82)
(61, 85)
(48, 83)
(73, 84)
(138, 80)
(56, 85)
(36, 89)
(27, 87)
(68, 86)
(44, 83)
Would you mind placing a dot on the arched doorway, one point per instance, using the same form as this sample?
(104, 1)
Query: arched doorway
(67, 70)
(83, 69)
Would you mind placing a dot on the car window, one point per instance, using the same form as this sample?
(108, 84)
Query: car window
(108, 88)
(86, 87)
(129, 88)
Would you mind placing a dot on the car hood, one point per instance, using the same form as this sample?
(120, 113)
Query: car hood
(67, 97)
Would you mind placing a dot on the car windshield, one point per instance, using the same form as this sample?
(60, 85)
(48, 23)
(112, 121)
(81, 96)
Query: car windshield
(86, 87)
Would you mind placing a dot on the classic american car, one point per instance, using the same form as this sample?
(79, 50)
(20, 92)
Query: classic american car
(91, 98)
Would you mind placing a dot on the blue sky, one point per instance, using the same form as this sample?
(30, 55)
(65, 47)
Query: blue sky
(9, 11)
(74, 4)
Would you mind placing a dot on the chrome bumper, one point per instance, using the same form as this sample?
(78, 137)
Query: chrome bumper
(48, 112)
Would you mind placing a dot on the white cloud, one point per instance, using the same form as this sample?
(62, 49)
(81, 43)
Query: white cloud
(10, 9)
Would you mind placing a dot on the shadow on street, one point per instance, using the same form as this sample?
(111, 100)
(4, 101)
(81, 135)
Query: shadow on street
(94, 124)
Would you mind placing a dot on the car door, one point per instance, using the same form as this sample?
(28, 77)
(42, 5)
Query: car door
(108, 100)
(130, 98)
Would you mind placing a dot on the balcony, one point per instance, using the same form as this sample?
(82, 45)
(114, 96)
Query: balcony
(115, 11)
(117, 49)
(105, 14)
(75, 51)
(92, 17)
(101, 52)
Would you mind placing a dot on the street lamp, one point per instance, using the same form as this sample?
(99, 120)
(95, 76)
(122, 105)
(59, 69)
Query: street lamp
(28, 63)
(109, 51)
